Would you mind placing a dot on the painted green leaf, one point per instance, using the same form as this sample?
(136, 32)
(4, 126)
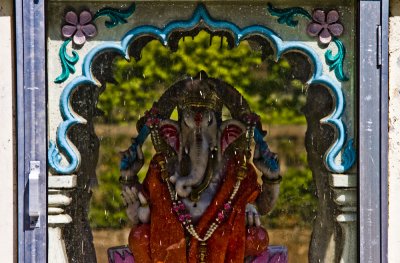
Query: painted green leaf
(335, 62)
(67, 62)
(286, 15)
(116, 16)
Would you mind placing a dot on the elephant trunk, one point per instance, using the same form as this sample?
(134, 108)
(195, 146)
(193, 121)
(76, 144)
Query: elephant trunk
(198, 153)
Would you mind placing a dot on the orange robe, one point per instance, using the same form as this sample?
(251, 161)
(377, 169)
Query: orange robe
(164, 239)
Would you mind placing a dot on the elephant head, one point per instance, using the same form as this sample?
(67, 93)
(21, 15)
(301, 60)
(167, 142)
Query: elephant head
(199, 137)
(200, 144)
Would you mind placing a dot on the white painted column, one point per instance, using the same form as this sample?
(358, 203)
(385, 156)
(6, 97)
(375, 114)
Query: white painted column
(394, 132)
(344, 187)
(58, 199)
(8, 247)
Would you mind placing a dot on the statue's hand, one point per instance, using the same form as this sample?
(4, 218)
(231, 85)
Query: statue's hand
(252, 216)
(144, 209)
(132, 203)
(267, 162)
(137, 207)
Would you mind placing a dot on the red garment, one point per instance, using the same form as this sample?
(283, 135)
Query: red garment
(166, 236)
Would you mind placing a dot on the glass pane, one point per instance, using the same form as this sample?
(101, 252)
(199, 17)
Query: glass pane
(275, 90)
(210, 143)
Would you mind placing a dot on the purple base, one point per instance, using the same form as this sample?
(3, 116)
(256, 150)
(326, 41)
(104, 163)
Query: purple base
(274, 254)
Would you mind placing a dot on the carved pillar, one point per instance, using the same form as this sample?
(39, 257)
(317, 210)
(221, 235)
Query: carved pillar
(58, 198)
(344, 187)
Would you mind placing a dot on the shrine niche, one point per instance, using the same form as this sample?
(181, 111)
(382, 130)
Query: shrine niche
(201, 172)
(202, 190)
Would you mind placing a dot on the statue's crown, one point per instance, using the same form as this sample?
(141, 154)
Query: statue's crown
(200, 93)
(201, 97)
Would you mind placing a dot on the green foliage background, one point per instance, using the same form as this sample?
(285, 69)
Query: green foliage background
(270, 88)
(273, 89)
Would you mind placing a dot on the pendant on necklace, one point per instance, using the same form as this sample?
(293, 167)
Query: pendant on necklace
(203, 251)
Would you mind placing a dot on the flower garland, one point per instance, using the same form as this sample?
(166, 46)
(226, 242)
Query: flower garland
(186, 219)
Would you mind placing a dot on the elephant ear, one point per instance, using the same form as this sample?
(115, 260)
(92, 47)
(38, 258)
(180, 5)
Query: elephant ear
(169, 132)
(231, 131)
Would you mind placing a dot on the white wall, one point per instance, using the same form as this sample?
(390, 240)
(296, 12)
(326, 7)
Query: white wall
(394, 132)
(7, 162)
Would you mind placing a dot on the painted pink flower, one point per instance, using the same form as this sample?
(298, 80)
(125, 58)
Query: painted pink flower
(227, 207)
(251, 118)
(152, 122)
(152, 116)
(325, 26)
(221, 216)
(182, 218)
(78, 28)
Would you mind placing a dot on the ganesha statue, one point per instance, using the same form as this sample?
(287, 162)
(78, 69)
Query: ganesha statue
(202, 198)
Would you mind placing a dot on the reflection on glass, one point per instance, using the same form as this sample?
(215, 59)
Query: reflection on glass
(274, 90)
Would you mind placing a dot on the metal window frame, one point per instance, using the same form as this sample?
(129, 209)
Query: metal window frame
(372, 125)
(31, 118)
(373, 130)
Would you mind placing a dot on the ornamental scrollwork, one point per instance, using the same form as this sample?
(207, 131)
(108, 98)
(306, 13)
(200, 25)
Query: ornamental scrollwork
(80, 27)
(325, 26)
(200, 16)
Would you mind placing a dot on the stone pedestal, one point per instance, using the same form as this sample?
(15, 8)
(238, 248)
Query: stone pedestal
(274, 254)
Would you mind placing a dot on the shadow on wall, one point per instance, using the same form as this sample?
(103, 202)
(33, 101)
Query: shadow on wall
(394, 8)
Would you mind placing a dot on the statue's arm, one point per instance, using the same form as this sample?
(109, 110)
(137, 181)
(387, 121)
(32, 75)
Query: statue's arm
(270, 177)
(268, 196)
(137, 207)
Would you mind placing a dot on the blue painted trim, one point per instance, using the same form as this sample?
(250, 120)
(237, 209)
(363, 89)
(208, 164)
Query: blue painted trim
(162, 34)
(349, 153)
(70, 119)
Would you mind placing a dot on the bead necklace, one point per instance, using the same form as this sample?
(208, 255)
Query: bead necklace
(186, 219)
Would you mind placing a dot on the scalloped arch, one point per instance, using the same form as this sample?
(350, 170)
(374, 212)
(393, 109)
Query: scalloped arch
(200, 15)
